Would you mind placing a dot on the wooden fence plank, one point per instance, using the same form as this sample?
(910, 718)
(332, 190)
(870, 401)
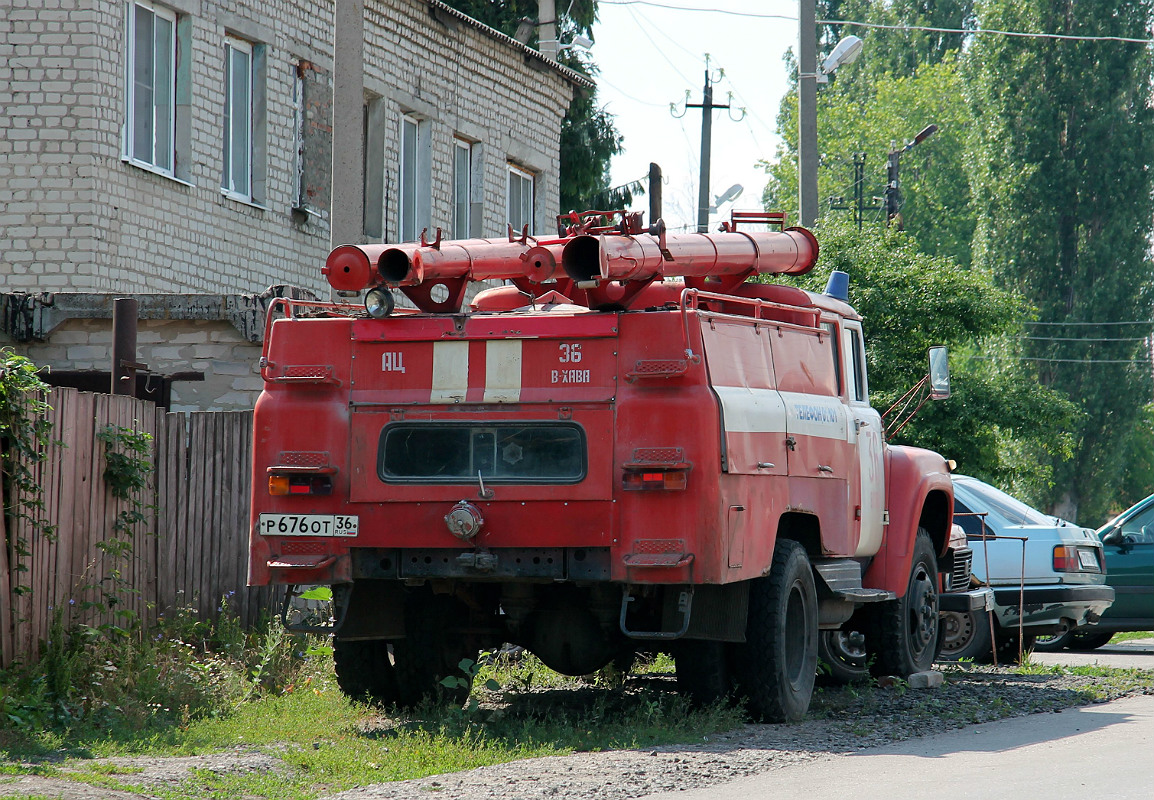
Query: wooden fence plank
(195, 539)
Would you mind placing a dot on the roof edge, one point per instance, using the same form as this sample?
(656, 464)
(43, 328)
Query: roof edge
(565, 72)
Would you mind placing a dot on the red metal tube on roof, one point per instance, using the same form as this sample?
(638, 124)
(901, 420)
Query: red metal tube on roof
(356, 267)
(691, 255)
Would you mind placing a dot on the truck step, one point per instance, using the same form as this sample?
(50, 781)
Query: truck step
(863, 595)
(842, 577)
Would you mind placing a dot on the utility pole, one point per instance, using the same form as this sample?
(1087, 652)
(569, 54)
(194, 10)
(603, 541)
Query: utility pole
(706, 105)
(858, 206)
(807, 112)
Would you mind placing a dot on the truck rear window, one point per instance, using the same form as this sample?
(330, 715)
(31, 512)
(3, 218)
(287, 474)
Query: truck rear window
(502, 453)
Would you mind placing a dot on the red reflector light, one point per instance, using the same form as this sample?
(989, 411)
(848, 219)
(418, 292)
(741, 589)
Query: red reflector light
(300, 484)
(669, 480)
(1065, 558)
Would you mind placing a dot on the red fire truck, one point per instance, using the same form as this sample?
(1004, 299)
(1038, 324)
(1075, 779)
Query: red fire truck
(628, 446)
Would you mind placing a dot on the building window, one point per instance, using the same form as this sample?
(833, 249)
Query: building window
(238, 118)
(462, 189)
(150, 133)
(520, 198)
(414, 197)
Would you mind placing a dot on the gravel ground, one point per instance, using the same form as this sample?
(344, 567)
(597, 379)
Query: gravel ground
(840, 721)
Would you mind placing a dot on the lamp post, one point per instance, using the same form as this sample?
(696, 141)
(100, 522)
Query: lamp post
(808, 77)
(893, 195)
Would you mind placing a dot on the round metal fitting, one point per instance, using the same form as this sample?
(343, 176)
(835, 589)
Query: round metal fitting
(464, 520)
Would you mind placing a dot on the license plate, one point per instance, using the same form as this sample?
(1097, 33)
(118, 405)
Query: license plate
(308, 525)
(1087, 559)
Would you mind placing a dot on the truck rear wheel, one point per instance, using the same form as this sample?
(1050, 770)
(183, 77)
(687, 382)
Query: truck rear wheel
(903, 635)
(776, 666)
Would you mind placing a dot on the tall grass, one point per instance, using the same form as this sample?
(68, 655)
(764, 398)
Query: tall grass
(129, 682)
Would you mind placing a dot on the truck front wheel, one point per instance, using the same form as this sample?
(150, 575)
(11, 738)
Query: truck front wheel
(777, 664)
(903, 635)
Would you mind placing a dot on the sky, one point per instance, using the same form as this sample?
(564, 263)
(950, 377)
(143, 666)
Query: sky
(649, 54)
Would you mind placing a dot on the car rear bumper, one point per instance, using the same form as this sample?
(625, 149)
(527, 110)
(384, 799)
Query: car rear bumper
(1051, 608)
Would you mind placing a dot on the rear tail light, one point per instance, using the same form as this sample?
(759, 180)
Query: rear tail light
(281, 485)
(1068, 558)
(645, 479)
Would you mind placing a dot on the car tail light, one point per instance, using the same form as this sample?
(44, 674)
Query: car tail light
(667, 479)
(1068, 558)
(281, 485)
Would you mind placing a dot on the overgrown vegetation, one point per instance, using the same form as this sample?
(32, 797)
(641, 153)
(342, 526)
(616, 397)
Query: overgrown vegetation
(92, 684)
(25, 434)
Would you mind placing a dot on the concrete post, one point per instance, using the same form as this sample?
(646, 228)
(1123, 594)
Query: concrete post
(348, 187)
(547, 28)
(807, 112)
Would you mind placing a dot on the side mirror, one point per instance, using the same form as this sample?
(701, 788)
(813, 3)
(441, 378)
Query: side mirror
(1114, 537)
(939, 373)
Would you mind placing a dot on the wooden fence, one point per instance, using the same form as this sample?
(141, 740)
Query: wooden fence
(191, 551)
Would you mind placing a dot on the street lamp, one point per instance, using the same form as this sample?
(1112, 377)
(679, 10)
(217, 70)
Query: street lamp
(893, 195)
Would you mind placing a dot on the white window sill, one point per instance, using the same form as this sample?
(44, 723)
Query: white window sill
(242, 199)
(155, 170)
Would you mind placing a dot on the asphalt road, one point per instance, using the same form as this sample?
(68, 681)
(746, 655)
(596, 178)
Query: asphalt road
(1136, 654)
(1080, 753)
(1077, 754)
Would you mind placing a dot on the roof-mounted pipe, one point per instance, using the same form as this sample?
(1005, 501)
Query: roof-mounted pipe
(690, 255)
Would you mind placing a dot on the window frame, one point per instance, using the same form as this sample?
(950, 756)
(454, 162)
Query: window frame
(520, 173)
(463, 181)
(227, 187)
(130, 143)
(413, 219)
(471, 479)
(857, 385)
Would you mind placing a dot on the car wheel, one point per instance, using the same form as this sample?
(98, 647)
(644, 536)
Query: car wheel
(1089, 640)
(1054, 643)
(967, 635)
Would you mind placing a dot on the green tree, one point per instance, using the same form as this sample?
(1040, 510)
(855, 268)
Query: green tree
(904, 80)
(589, 139)
(934, 184)
(1061, 173)
(1000, 420)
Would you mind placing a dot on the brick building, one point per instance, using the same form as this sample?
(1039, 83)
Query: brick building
(184, 149)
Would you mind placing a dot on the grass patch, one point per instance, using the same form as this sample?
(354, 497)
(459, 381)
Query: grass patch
(1127, 636)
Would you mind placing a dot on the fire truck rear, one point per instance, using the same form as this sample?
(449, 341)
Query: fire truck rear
(628, 447)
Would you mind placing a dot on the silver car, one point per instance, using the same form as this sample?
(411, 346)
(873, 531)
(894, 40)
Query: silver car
(1052, 568)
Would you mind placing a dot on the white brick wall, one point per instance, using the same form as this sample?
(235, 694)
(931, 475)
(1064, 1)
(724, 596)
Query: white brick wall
(74, 216)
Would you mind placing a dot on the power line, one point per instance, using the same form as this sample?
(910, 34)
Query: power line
(1130, 322)
(727, 12)
(1018, 34)
(1083, 339)
(1144, 362)
(880, 26)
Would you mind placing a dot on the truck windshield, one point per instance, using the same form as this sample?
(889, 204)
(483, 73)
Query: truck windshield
(502, 453)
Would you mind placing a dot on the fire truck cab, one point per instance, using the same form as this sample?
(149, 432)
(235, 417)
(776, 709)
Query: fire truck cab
(628, 447)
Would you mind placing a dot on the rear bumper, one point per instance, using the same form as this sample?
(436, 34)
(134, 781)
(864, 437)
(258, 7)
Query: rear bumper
(1045, 609)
